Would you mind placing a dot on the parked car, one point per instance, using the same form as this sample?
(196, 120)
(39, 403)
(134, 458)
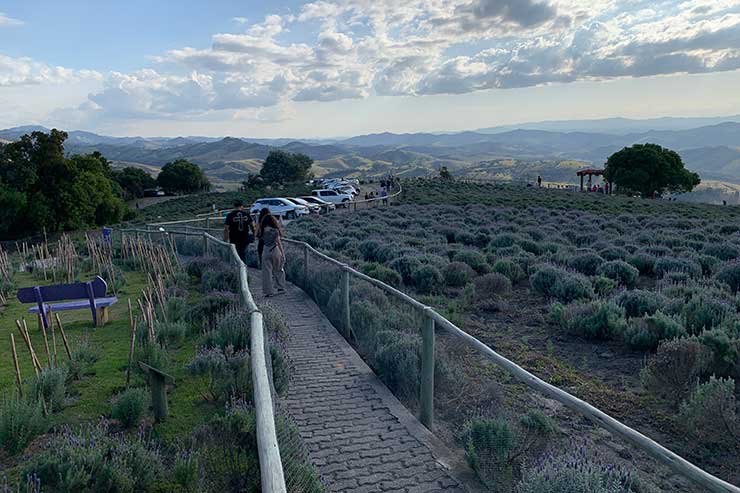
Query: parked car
(325, 207)
(279, 206)
(332, 196)
(313, 208)
(347, 189)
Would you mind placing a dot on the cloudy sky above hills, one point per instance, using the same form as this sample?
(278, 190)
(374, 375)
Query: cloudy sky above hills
(334, 67)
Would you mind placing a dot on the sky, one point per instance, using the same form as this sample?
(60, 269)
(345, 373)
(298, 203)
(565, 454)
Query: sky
(332, 68)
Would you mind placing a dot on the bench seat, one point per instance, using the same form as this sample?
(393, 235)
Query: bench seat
(75, 305)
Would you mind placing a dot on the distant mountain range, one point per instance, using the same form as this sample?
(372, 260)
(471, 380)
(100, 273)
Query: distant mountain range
(553, 149)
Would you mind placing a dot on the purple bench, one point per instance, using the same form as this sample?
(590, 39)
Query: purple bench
(76, 296)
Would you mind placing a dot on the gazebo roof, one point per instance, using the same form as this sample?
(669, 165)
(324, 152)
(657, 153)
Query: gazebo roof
(590, 171)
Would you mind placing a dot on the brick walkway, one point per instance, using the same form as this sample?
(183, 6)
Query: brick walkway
(359, 436)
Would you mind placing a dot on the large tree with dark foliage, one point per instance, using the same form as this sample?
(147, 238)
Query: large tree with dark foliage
(182, 176)
(40, 188)
(133, 181)
(649, 168)
(284, 167)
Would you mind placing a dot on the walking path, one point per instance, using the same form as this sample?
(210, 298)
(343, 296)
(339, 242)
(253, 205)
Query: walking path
(358, 435)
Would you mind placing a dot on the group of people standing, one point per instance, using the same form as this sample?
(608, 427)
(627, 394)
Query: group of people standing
(240, 230)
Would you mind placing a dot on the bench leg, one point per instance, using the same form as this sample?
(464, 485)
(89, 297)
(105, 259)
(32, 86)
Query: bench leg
(103, 316)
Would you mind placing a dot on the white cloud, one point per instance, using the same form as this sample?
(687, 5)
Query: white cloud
(25, 71)
(9, 21)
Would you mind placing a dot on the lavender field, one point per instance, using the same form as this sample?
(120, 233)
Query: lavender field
(630, 304)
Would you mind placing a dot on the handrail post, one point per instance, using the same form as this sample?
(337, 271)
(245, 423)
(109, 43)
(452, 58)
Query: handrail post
(345, 299)
(427, 370)
(205, 244)
(305, 264)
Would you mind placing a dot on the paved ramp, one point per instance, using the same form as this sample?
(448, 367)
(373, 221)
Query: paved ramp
(358, 435)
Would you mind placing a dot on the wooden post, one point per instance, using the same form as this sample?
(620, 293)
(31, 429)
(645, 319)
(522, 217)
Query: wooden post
(53, 341)
(18, 379)
(427, 370)
(64, 336)
(305, 264)
(26, 339)
(46, 346)
(345, 298)
(132, 325)
(158, 382)
(205, 244)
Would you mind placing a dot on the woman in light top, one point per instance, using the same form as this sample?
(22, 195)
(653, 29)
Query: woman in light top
(273, 256)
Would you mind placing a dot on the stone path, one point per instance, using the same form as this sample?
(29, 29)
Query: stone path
(358, 435)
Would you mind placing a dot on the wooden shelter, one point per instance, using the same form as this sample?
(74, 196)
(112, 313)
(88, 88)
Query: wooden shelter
(591, 172)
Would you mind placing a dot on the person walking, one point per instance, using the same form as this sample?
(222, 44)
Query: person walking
(239, 229)
(260, 243)
(273, 257)
(539, 181)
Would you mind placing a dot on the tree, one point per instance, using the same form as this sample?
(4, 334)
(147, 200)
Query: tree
(647, 168)
(40, 188)
(133, 181)
(182, 176)
(444, 173)
(284, 167)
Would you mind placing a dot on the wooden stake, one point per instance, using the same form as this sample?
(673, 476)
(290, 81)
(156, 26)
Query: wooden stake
(18, 379)
(64, 336)
(28, 346)
(132, 324)
(46, 345)
(53, 340)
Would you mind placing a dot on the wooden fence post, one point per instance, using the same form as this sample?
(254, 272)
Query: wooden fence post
(305, 264)
(205, 244)
(345, 298)
(427, 370)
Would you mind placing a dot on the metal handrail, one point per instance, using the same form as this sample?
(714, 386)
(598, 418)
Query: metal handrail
(271, 467)
(646, 444)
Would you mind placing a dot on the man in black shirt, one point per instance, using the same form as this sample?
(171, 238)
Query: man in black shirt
(239, 229)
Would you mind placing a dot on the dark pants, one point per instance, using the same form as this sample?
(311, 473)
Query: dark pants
(260, 249)
(241, 250)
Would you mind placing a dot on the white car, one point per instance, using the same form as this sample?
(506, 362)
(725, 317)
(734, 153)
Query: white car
(313, 208)
(332, 196)
(325, 207)
(279, 206)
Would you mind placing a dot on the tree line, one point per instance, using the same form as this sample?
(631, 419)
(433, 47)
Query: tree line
(42, 189)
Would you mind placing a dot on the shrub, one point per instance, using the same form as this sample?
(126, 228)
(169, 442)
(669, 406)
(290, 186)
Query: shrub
(559, 284)
(730, 275)
(154, 355)
(510, 269)
(637, 303)
(206, 310)
(725, 352)
(585, 263)
(129, 406)
(170, 332)
(383, 273)
(89, 459)
(643, 262)
(397, 363)
(197, 266)
(427, 279)
(406, 266)
(667, 264)
(675, 367)
(21, 420)
(186, 471)
(83, 358)
(227, 372)
(457, 274)
(647, 332)
(620, 271)
(574, 472)
(700, 313)
(709, 414)
(614, 253)
(722, 251)
(476, 260)
(176, 309)
(604, 286)
(226, 279)
(592, 320)
(232, 329)
(489, 444)
(492, 285)
(50, 385)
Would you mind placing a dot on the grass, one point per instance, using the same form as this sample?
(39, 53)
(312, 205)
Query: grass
(90, 396)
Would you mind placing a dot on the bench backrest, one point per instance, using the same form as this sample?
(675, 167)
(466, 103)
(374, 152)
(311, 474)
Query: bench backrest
(62, 292)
